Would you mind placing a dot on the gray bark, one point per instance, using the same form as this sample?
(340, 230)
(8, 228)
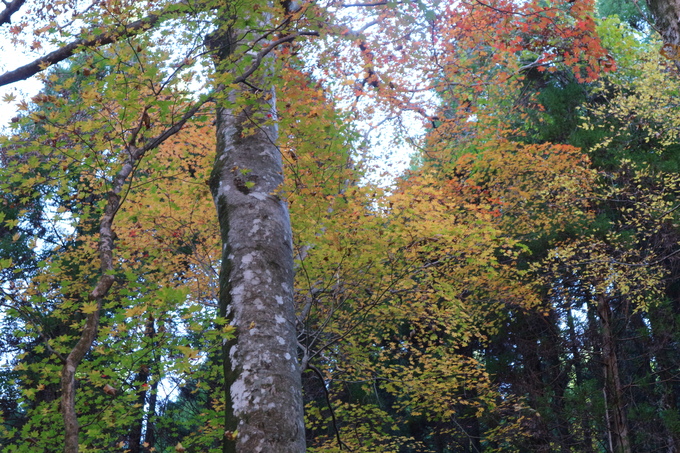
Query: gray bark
(666, 18)
(264, 397)
(90, 330)
(667, 22)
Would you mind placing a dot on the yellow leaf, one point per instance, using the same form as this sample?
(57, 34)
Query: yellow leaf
(89, 308)
(135, 311)
(188, 352)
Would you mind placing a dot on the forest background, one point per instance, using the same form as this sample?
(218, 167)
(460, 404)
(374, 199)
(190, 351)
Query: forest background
(517, 290)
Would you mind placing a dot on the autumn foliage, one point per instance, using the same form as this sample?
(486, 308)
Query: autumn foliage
(514, 290)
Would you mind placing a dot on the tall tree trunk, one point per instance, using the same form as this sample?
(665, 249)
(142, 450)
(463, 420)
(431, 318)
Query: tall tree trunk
(615, 406)
(264, 400)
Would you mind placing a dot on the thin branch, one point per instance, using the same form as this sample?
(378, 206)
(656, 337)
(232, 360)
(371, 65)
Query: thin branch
(511, 12)
(359, 5)
(160, 138)
(328, 402)
(61, 54)
(264, 52)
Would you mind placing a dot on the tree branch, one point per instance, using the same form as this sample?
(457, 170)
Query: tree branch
(74, 47)
(328, 402)
(10, 8)
(264, 52)
(90, 330)
(360, 5)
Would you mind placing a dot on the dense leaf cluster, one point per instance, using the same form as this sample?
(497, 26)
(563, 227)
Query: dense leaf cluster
(517, 290)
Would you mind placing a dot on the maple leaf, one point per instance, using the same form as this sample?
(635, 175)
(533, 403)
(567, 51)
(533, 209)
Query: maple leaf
(89, 308)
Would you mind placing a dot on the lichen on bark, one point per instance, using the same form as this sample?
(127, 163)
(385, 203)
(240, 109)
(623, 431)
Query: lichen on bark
(264, 396)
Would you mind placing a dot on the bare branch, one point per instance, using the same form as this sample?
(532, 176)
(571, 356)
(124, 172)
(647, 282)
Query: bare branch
(10, 8)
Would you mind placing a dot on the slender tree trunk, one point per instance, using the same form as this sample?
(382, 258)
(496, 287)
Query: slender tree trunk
(133, 154)
(667, 22)
(587, 439)
(264, 400)
(615, 406)
(135, 439)
(89, 332)
(150, 432)
(150, 428)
